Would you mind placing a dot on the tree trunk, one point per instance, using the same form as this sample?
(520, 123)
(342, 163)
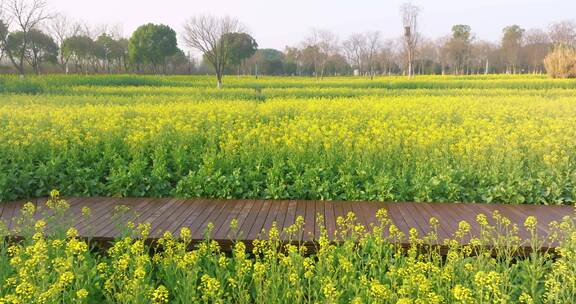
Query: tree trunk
(219, 80)
(21, 67)
(410, 64)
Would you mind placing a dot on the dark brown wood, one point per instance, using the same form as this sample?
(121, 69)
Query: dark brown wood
(300, 212)
(194, 220)
(259, 221)
(309, 221)
(329, 219)
(246, 226)
(290, 217)
(255, 216)
(243, 218)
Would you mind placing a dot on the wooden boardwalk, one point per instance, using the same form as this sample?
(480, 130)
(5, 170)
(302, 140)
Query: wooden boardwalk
(254, 216)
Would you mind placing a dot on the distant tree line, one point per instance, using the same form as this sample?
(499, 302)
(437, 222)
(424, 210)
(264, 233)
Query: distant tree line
(35, 40)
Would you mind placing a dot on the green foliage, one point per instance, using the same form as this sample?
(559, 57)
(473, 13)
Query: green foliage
(461, 32)
(242, 46)
(270, 61)
(152, 44)
(79, 47)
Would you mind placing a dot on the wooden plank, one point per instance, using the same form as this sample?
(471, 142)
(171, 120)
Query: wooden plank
(370, 209)
(165, 216)
(442, 231)
(194, 219)
(397, 218)
(329, 219)
(197, 226)
(221, 231)
(270, 218)
(281, 214)
(250, 218)
(338, 211)
(186, 210)
(447, 219)
(240, 213)
(301, 212)
(161, 211)
(309, 221)
(59, 221)
(258, 224)
(467, 214)
(102, 222)
(6, 214)
(518, 217)
(555, 211)
(210, 218)
(546, 214)
(140, 209)
(346, 208)
(319, 211)
(73, 214)
(290, 217)
(409, 219)
(359, 213)
(11, 212)
(244, 213)
(101, 217)
(222, 223)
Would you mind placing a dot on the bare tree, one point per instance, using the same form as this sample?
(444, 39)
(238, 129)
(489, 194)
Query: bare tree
(442, 50)
(324, 44)
(374, 43)
(511, 46)
(563, 33)
(459, 48)
(24, 15)
(61, 27)
(386, 56)
(354, 48)
(428, 56)
(536, 47)
(204, 33)
(482, 51)
(409, 14)
(3, 29)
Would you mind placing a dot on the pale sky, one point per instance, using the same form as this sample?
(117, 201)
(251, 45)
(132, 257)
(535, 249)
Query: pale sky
(275, 24)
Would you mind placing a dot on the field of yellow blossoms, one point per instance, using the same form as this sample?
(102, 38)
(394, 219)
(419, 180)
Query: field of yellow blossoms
(487, 139)
(51, 264)
(505, 139)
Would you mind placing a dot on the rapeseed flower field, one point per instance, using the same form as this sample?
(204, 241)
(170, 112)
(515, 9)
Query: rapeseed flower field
(508, 139)
(490, 139)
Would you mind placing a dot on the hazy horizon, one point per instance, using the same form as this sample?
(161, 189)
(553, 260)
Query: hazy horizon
(279, 25)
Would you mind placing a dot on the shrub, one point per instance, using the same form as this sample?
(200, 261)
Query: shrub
(561, 63)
